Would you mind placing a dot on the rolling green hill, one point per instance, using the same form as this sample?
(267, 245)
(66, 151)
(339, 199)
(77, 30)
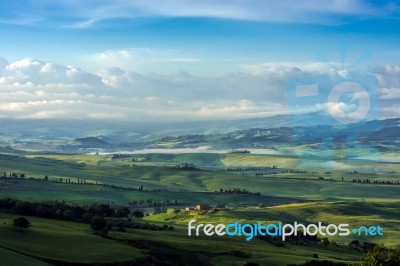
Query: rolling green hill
(57, 241)
(272, 188)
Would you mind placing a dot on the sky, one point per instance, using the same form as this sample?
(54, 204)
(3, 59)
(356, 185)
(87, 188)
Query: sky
(176, 60)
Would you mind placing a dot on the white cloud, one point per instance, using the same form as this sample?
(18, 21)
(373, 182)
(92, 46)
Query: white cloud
(104, 115)
(138, 58)
(34, 72)
(33, 89)
(388, 80)
(242, 109)
(390, 93)
(45, 115)
(391, 110)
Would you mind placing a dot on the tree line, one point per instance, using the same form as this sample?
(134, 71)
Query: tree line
(382, 182)
(61, 211)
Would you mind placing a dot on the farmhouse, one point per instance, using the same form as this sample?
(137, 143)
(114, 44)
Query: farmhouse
(201, 207)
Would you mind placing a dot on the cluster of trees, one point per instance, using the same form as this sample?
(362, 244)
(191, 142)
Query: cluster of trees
(186, 166)
(69, 181)
(126, 158)
(301, 239)
(160, 189)
(21, 222)
(128, 223)
(167, 190)
(153, 203)
(380, 255)
(368, 181)
(45, 178)
(13, 175)
(287, 171)
(292, 171)
(93, 214)
(99, 224)
(269, 173)
(251, 168)
(376, 254)
(138, 159)
(118, 156)
(62, 211)
(240, 151)
(320, 263)
(237, 191)
(362, 246)
(80, 181)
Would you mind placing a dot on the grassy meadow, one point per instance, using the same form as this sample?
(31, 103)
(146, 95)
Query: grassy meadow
(278, 188)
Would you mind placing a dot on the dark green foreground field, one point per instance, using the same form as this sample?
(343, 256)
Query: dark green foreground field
(274, 190)
(67, 242)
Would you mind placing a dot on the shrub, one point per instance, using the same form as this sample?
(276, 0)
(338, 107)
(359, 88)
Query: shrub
(21, 222)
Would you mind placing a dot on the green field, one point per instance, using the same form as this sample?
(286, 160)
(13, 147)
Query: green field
(57, 242)
(326, 194)
(53, 241)
(303, 186)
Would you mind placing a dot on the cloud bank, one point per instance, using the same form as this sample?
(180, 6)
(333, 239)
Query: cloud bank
(33, 89)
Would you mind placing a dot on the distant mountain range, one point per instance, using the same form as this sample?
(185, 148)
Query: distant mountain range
(53, 129)
(271, 132)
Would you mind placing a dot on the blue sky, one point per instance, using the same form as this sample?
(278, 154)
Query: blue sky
(231, 32)
(141, 50)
